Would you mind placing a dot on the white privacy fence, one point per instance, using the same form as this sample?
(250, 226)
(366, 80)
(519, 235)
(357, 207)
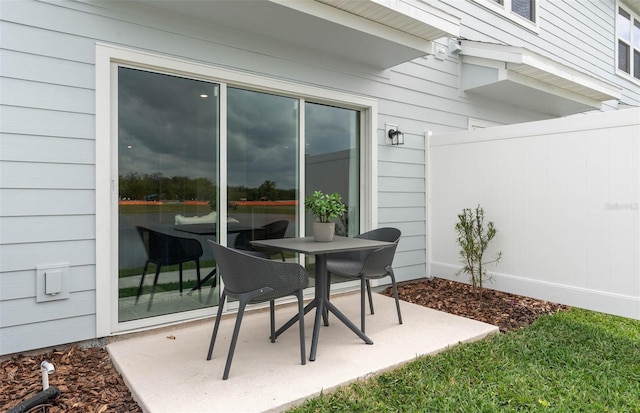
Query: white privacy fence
(564, 195)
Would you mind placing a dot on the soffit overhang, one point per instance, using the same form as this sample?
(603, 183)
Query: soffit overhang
(529, 80)
(377, 33)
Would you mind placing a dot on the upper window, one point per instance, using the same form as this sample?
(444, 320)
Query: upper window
(628, 34)
(514, 9)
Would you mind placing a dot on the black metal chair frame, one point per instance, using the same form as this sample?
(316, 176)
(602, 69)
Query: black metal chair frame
(366, 265)
(164, 249)
(250, 280)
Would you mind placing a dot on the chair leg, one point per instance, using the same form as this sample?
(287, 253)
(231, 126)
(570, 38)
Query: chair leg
(362, 291)
(303, 356)
(272, 317)
(216, 324)
(395, 294)
(198, 272)
(153, 287)
(144, 272)
(234, 338)
(369, 294)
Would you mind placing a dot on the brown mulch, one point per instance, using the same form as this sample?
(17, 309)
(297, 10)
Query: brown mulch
(507, 311)
(89, 382)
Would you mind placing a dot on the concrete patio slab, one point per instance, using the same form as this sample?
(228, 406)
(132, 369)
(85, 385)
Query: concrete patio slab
(167, 370)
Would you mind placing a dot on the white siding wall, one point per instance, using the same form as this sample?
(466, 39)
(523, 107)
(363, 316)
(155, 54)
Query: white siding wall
(565, 198)
(47, 151)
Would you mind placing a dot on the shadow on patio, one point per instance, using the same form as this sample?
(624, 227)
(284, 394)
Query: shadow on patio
(167, 374)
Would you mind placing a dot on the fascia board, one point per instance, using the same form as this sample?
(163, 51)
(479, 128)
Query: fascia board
(361, 24)
(536, 66)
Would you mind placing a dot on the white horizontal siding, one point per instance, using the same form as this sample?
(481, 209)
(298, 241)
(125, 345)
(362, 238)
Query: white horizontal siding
(47, 334)
(29, 121)
(47, 175)
(392, 200)
(45, 69)
(36, 202)
(20, 312)
(22, 148)
(21, 230)
(19, 257)
(22, 284)
(389, 216)
(39, 95)
(33, 39)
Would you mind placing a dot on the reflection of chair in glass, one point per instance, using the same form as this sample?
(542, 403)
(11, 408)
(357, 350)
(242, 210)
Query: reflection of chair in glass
(272, 230)
(254, 280)
(163, 249)
(367, 265)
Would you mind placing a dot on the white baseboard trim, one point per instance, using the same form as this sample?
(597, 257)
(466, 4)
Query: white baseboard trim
(603, 301)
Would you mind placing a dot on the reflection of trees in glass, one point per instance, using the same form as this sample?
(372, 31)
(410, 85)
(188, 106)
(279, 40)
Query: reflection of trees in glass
(154, 187)
(267, 189)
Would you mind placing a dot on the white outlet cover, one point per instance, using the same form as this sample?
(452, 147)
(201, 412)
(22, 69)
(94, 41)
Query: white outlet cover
(60, 271)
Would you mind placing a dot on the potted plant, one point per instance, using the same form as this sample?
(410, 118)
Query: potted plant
(324, 207)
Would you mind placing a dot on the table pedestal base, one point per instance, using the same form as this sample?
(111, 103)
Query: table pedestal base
(323, 306)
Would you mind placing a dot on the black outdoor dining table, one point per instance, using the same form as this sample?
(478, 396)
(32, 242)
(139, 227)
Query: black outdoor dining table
(320, 302)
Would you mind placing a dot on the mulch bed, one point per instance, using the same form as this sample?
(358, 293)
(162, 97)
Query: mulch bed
(90, 383)
(87, 380)
(507, 311)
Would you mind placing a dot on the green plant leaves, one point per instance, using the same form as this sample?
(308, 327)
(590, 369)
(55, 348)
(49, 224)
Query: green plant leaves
(473, 239)
(325, 207)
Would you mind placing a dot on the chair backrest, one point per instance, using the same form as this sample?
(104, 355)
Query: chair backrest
(273, 230)
(375, 263)
(378, 261)
(381, 234)
(244, 273)
(165, 249)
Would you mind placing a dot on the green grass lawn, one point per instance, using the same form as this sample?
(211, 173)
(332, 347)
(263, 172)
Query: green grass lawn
(576, 361)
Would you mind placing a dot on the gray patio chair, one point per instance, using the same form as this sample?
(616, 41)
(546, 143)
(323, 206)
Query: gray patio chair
(163, 249)
(272, 230)
(366, 265)
(252, 280)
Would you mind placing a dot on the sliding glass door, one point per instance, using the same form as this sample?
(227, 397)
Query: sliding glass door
(168, 129)
(170, 183)
(262, 166)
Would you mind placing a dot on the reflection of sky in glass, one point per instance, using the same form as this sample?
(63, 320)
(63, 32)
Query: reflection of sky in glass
(166, 126)
(329, 129)
(262, 136)
(522, 7)
(624, 25)
(636, 34)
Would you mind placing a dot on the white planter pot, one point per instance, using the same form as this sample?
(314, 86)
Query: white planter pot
(323, 231)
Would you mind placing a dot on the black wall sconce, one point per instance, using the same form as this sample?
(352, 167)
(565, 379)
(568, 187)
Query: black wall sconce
(393, 134)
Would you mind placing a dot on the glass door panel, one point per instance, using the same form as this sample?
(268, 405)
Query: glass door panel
(168, 129)
(332, 162)
(262, 166)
